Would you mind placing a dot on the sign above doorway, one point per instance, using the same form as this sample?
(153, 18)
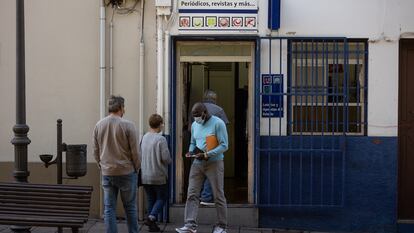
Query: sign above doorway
(218, 15)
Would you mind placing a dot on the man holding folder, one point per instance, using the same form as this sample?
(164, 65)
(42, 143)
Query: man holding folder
(208, 142)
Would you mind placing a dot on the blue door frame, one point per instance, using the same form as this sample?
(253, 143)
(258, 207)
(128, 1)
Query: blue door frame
(173, 94)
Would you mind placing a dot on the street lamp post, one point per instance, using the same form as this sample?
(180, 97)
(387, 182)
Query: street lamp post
(20, 140)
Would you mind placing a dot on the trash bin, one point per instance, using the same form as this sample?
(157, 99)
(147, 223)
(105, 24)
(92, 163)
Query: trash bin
(76, 160)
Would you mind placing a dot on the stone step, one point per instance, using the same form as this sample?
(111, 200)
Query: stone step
(237, 215)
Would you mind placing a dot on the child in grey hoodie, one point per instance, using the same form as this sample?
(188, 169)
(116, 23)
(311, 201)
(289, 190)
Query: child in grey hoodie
(155, 158)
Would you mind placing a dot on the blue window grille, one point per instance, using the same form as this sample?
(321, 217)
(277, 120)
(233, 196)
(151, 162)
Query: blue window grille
(300, 152)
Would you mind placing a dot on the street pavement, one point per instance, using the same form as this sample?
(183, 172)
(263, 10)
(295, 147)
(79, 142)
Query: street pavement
(97, 226)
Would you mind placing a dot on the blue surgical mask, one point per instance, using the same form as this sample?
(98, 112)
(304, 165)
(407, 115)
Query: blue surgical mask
(199, 120)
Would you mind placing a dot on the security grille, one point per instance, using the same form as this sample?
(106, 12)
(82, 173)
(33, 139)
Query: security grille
(311, 93)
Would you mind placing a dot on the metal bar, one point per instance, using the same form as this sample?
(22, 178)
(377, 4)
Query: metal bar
(358, 116)
(325, 206)
(281, 88)
(269, 124)
(324, 75)
(346, 89)
(257, 108)
(301, 150)
(312, 119)
(301, 121)
(290, 113)
(366, 88)
(302, 93)
(59, 152)
(303, 38)
(306, 90)
(336, 119)
(281, 99)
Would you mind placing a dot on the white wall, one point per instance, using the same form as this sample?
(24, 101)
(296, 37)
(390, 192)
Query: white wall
(7, 78)
(62, 70)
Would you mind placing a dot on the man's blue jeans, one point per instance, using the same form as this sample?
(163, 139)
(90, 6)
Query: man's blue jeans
(126, 185)
(207, 193)
(156, 197)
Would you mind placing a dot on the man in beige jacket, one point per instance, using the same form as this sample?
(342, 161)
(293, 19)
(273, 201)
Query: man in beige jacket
(116, 151)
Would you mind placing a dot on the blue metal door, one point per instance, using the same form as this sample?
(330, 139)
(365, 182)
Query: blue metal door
(301, 119)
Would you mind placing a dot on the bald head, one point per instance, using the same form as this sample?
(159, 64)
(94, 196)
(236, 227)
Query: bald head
(200, 110)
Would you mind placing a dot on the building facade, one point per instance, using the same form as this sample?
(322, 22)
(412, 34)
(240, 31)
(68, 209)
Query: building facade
(317, 94)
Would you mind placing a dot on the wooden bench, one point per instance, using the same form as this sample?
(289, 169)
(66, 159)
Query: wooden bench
(45, 205)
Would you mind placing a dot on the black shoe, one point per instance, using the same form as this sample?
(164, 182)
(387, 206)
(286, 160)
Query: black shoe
(153, 227)
(147, 222)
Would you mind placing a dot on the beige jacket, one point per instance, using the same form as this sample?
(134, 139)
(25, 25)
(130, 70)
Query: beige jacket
(115, 146)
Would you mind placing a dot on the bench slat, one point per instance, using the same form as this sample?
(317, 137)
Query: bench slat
(35, 213)
(48, 207)
(39, 218)
(45, 199)
(48, 186)
(55, 203)
(45, 194)
(40, 210)
(40, 224)
(47, 190)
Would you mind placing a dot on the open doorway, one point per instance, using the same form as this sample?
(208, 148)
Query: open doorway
(230, 81)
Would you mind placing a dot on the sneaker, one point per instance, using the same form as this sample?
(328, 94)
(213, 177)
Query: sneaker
(186, 229)
(218, 229)
(207, 203)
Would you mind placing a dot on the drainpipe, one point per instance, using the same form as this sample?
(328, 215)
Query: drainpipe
(102, 67)
(141, 212)
(166, 81)
(141, 75)
(160, 83)
(141, 89)
(111, 53)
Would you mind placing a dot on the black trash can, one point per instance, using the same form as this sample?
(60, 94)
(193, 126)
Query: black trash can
(76, 160)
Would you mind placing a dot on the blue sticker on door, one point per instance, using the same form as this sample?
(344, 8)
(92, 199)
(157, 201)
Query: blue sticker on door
(272, 97)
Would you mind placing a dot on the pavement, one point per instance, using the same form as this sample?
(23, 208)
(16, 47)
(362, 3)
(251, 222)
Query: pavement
(97, 225)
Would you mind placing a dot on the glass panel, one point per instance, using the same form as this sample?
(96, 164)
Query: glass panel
(215, 49)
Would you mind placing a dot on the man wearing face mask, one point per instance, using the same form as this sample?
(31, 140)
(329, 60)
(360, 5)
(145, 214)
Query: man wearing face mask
(206, 131)
(210, 101)
(116, 152)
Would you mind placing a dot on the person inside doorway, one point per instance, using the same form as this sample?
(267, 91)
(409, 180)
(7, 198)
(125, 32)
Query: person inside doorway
(209, 140)
(210, 101)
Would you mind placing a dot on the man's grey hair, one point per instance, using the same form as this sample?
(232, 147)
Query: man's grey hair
(210, 95)
(115, 103)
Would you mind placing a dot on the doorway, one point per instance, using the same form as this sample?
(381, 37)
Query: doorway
(230, 77)
(405, 131)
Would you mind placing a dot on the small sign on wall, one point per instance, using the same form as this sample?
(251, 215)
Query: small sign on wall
(272, 97)
(216, 15)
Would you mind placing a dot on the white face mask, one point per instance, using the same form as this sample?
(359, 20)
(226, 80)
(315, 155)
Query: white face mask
(199, 120)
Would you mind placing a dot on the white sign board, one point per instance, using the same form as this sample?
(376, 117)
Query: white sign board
(222, 15)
